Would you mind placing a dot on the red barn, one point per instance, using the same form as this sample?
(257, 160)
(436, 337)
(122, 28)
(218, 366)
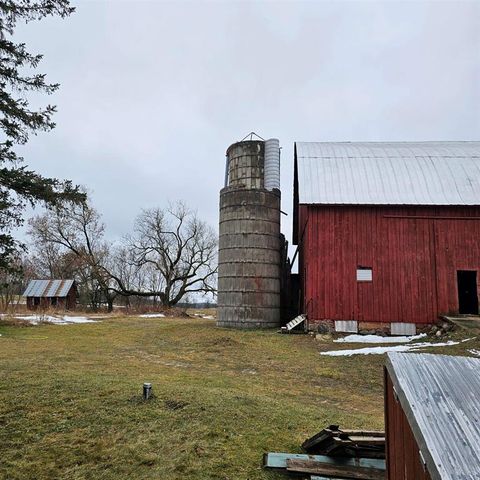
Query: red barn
(388, 234)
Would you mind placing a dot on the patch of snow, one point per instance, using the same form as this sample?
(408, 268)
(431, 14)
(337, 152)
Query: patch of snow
(367, 351)
(475, 352)
(202, 315)
(390, 348)
(152, 315)
(378, 339)
(36, 319)
(65, 320)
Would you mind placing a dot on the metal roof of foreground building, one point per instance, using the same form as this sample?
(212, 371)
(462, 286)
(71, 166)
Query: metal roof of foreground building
(386, 173)
(48, 288)
(440, 397)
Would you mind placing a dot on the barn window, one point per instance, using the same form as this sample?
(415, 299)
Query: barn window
(364, 274)
(54, 300)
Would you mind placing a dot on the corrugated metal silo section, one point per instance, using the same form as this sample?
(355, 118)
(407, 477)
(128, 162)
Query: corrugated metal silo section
(249, 243)
(272, 164)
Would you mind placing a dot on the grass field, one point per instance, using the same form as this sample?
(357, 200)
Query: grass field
(71, 408)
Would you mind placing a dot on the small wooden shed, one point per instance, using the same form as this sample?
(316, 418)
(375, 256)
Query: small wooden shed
(51, 293)
(432, 417)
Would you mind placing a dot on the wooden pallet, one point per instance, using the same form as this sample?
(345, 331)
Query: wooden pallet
(346, 443)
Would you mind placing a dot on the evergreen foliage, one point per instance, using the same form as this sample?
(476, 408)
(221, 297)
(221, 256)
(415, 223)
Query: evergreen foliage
(19, 185)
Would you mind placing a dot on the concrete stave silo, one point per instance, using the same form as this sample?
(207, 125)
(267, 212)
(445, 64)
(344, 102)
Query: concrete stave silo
(250, 242)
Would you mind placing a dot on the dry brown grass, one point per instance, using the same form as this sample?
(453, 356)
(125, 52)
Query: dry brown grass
(9, 321)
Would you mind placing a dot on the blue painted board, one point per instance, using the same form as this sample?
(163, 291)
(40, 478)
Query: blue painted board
(279, 460)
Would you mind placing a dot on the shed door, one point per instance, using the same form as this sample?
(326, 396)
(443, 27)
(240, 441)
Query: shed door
(467, 292)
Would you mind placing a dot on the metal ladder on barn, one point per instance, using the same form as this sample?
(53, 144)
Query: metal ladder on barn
(293, 323)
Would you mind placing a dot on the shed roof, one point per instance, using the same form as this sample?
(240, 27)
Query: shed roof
(440, 397)
(388, 173)
(48, 288)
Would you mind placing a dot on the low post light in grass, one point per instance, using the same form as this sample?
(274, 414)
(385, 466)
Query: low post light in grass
(147, 391)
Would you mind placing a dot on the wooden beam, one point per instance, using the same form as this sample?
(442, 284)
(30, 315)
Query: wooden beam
(367, 440)
(279, 460)
(345, 471)
(316, 477)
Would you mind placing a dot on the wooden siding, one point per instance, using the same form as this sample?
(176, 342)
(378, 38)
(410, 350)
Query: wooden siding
(402, 452)
(63, 303)
(414, 261)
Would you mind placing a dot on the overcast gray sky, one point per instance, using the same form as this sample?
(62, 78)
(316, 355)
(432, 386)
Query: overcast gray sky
(152, 93)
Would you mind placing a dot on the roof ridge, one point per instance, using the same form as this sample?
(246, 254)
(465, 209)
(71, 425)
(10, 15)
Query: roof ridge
(386, 142)
(382, 173)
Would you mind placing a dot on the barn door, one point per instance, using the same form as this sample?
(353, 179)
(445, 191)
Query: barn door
(467, 292)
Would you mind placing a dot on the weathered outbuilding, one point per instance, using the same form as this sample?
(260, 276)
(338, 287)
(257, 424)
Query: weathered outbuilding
(432, 417)
(60, 294)
(387, 233)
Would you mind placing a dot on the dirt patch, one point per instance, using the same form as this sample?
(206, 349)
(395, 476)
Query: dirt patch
(175, 404)
(139, 400)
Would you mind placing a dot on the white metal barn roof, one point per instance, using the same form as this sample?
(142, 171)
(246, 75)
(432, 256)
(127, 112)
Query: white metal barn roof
(440, 397)
(386, 173)
(48, 288)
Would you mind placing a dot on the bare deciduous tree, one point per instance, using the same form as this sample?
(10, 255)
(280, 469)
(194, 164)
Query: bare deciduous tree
(175, 252)
(11, 284)
(170, 254)
(79, 231)
(50, 260)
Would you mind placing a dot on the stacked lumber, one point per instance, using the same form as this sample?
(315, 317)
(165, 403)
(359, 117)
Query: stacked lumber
(346, 443)
(322, 467)
(334, 454)
(336, 471)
